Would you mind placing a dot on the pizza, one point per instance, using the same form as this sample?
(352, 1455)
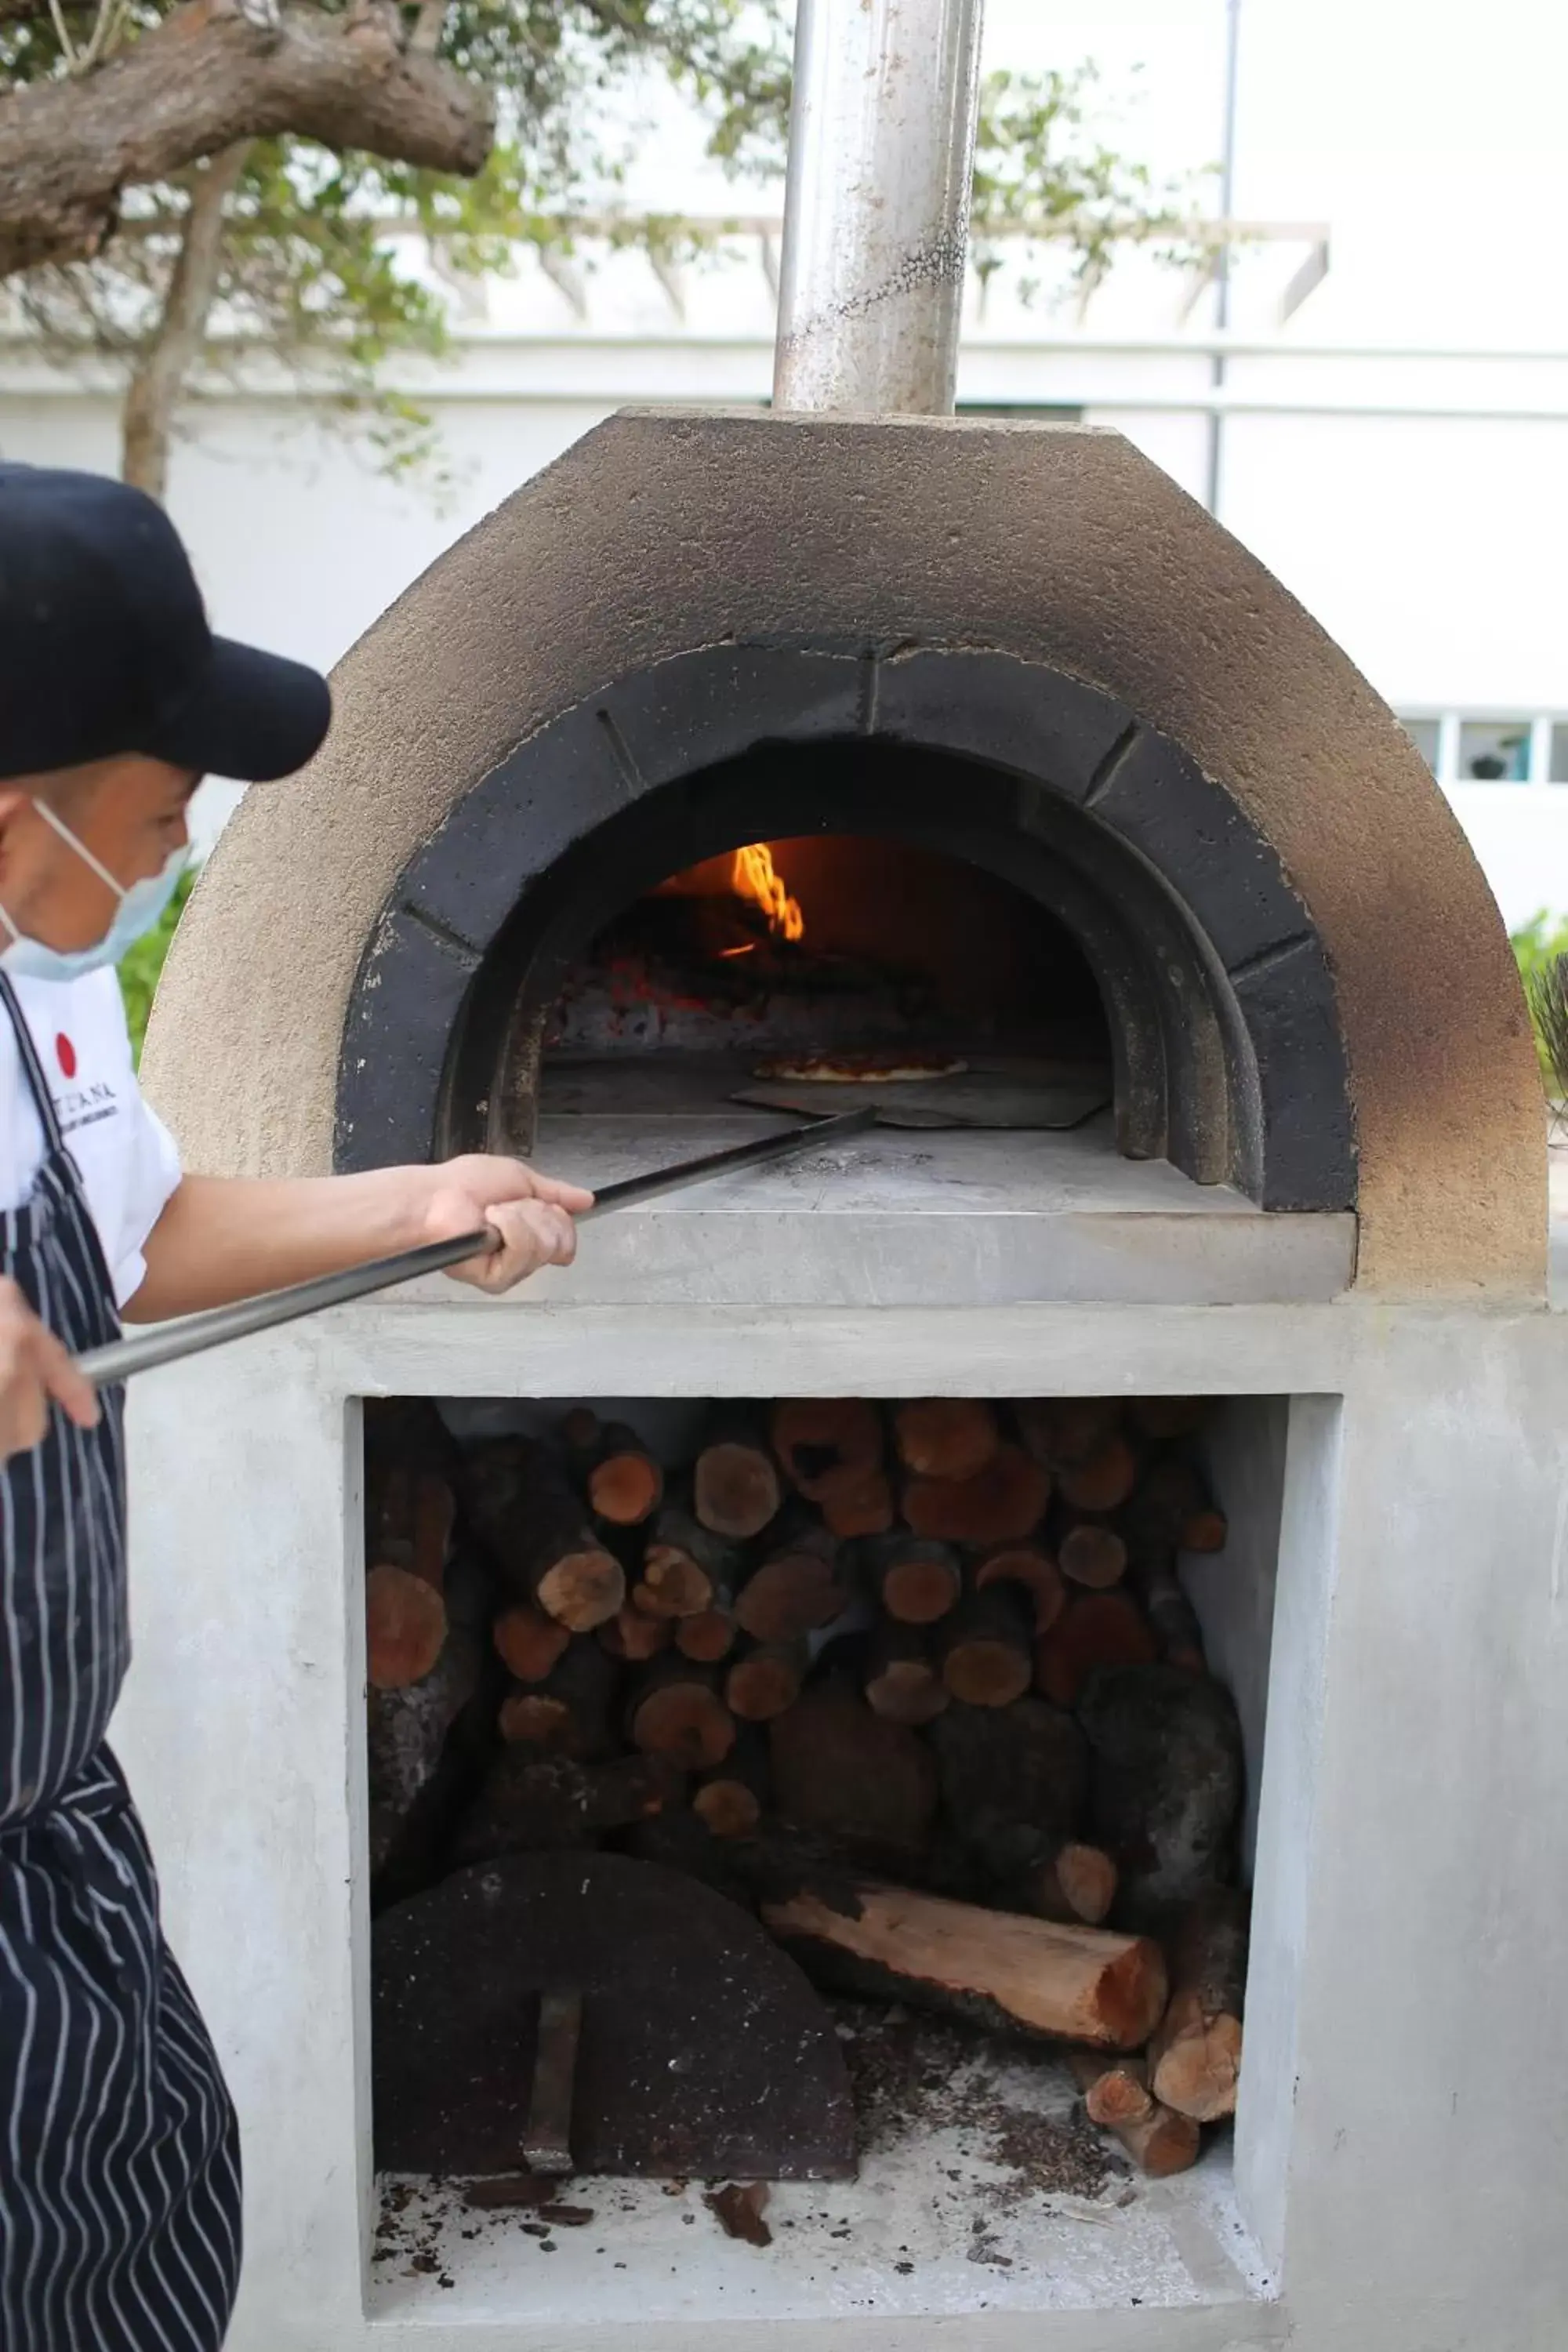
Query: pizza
(858, 1069)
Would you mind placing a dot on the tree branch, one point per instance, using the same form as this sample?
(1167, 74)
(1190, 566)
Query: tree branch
(155, 390)
(218, 72)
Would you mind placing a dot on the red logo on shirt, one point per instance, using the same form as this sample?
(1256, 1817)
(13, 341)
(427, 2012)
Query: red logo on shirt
(66, 1053)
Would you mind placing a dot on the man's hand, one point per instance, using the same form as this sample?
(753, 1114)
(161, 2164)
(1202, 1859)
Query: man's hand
(34, 1368)
(533, 1214)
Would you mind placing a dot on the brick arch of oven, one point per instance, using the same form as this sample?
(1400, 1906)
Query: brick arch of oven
(1226, 1040)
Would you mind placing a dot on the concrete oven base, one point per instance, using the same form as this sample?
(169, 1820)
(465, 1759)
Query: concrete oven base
(1401, 2153)
(931, 2228)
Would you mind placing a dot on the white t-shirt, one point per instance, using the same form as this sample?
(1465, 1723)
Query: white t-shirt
(126, 1158)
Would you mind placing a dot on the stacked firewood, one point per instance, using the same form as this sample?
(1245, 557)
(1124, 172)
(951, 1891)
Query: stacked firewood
(918, 1681)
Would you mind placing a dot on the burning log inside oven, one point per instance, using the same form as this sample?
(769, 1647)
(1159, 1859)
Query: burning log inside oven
(986, 1767)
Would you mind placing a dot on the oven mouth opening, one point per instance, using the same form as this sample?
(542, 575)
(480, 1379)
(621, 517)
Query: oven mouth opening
(825, 970)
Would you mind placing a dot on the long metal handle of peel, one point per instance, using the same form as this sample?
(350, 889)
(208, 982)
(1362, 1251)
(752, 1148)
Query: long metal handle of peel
(170, 1343)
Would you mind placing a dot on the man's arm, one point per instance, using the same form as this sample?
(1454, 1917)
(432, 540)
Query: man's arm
(221, 1238)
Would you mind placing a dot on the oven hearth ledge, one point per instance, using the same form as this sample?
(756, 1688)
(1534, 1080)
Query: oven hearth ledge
(907, 1218)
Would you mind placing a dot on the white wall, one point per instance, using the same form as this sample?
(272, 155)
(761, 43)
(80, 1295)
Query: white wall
(1425, 136)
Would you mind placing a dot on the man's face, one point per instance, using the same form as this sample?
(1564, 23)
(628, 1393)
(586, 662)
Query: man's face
(129, 811)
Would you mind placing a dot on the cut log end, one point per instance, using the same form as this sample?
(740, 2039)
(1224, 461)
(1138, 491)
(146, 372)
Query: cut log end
(762, 1685)
(405, 1627)
(921, 1591)
(907, 1690)
(672, 1584)
(626, 1490)
(1035, 1571)
(1120, 2096)
(987, 1672)
(794, 1593)
(946, 1437)
(1080, 1882)
(1199, 2069)
(728, 1808)
(535, 1719)
(1002, 1503)
(529, 1644)
(1092, 1555)
(707, 1637)
(735, 1489)
(685, 1722)
(1160, 2143)
(1103, 1480)
(582, 1590)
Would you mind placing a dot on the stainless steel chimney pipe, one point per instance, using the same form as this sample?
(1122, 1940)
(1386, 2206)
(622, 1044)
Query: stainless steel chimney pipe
(881, 150)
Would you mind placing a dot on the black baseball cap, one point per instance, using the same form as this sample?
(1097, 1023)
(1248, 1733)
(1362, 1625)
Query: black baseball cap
(105, 647)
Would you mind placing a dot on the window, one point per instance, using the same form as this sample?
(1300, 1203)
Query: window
(1463, 749)
(1494, 750)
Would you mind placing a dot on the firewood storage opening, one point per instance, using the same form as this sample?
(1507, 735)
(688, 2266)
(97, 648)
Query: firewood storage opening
(810, 1845)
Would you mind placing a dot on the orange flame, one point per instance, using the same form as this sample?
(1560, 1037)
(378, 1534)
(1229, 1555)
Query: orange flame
(753, 875)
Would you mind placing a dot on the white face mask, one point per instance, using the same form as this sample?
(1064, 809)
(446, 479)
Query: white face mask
(138, 910)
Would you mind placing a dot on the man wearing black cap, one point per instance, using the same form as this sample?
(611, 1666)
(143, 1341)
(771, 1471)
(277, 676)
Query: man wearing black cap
(119, 2166)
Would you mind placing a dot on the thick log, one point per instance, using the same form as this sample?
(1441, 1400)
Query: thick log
(1166, 1782)
(1003, 1504)
(405, 1627)
(1195, 2050)
(1160, 2143)
(522, 1504)
(626, 1484)
(1103, 1480)
(527, 1643)
(819, 1440)
(902, 1681)
(731, 1800)
(1061, 1430)
(994, 1968)
(987, 1647)
(736, 1490)
(1172, 1615)
(633, 1636)
(1093, 1554)
(407, 1731)
(707, 1637)
(766, 1680)
(528, 1803)
(1013, 1783)
(795, 1589)
(1027, 1566)
(676, 1712)
(916, 1580)
(856, 1502)
(1099, 1629)
(946, 1437)
(1078, 1882)
(840, 1768)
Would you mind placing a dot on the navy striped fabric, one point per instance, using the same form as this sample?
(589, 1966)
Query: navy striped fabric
(120, 2202)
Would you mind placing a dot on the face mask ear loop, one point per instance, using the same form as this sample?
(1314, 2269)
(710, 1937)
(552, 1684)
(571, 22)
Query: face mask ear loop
(57, 825)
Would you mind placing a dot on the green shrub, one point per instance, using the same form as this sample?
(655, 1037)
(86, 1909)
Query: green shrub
(1544, 937)
(138, 971)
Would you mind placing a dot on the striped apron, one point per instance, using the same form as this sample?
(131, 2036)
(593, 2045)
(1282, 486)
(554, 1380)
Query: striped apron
(119, 2159)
